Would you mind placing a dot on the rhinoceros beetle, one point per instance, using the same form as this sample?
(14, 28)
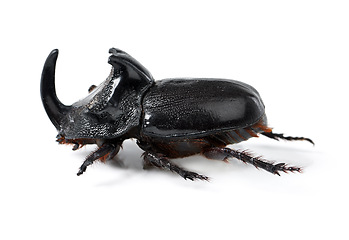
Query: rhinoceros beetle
(170, 118)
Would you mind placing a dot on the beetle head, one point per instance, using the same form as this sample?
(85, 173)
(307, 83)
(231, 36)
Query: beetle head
(109, 111)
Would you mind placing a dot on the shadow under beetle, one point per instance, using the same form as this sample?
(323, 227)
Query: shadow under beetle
(170, 118)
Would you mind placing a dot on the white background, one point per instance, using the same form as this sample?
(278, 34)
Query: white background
(295, 53)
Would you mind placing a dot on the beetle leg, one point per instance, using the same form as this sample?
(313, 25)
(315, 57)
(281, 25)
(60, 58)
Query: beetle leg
(76, 146)
(91, 88)
(163, 162)
(278, 136)
(101, 152)
(258, 162)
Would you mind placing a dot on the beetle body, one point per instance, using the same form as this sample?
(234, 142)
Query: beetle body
(170, 118)
(177, 111)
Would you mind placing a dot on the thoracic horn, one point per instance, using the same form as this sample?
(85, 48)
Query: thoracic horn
(54, 108)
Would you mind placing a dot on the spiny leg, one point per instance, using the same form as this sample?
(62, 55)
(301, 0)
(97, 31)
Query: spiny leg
(258, 162)
(163, 162)
(101, 152)
(278, 136)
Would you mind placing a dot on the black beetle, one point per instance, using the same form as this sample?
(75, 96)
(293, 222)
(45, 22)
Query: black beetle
(170, 118)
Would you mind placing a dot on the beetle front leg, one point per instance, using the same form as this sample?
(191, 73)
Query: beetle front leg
(163, 162)
(106, 150)
(258, 162)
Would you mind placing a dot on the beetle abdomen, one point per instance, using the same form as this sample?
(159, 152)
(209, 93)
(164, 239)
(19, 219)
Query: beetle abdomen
(182, 147)
(181, 108)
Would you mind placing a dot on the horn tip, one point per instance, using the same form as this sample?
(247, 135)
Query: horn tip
(54, 52)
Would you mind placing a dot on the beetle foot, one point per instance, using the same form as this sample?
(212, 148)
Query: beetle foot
(81, 170)
(160, 161)
(283, 167)
(193, 176)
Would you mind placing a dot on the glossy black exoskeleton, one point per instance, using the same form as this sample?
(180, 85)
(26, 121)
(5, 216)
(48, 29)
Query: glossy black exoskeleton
(170, 118)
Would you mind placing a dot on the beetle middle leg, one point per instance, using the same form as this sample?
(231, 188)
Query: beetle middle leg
(105, 152)
(163, 162)
(225, 153)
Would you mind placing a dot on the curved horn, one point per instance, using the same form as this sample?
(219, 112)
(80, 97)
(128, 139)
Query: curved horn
(54, 108)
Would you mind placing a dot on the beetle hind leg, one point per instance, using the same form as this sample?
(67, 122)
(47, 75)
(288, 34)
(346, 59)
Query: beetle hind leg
(258, 162)
(163, 162)
(278, 136)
